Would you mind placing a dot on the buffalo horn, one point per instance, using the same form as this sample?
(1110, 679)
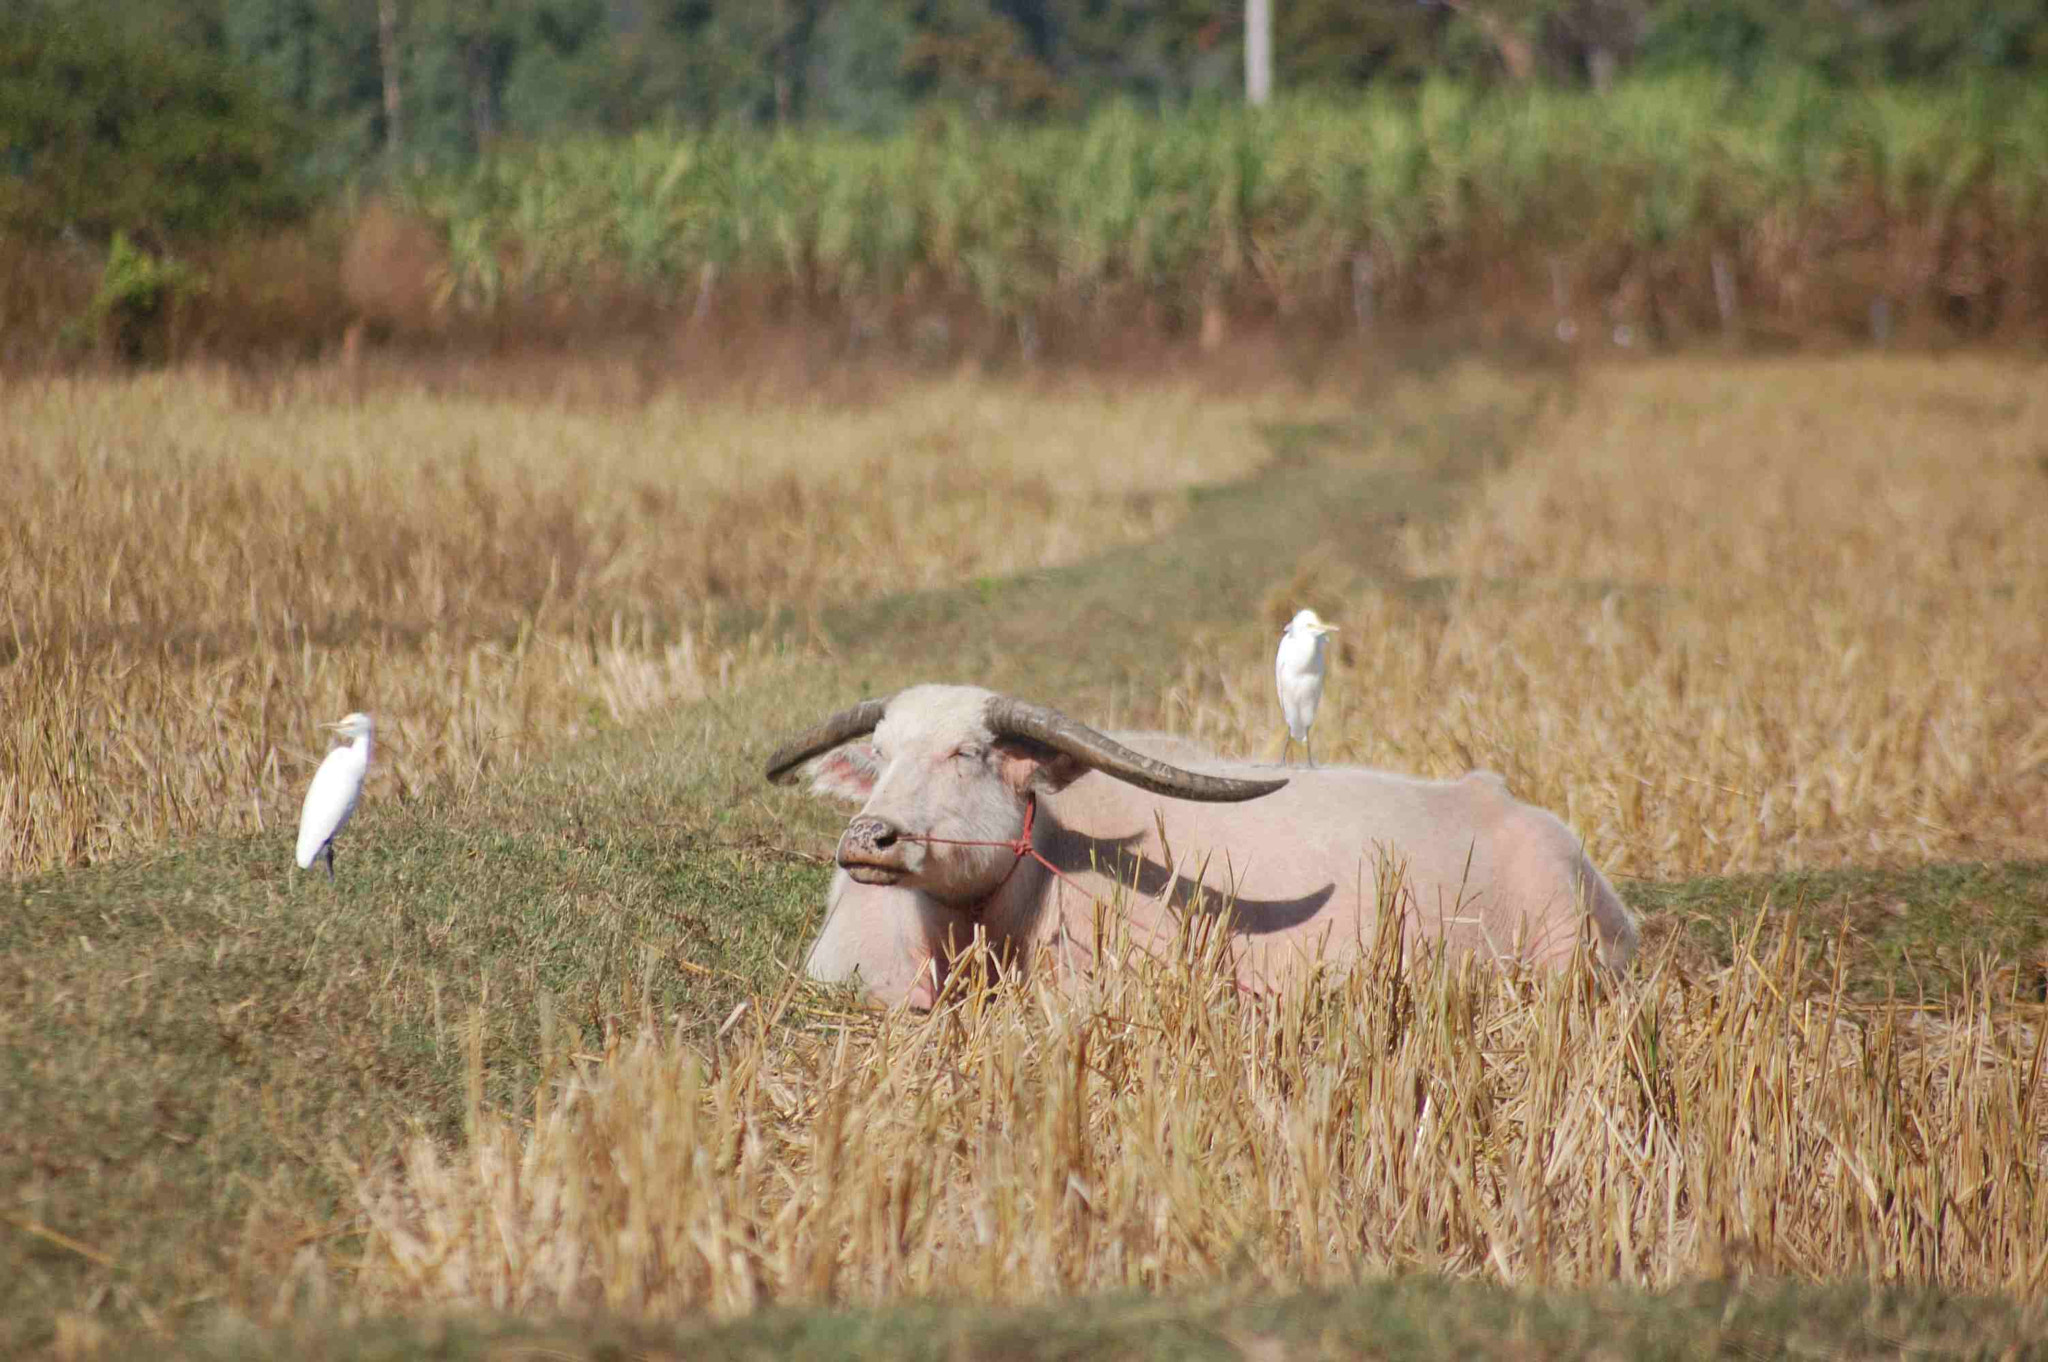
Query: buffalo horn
(1021, 719)
(855, 722)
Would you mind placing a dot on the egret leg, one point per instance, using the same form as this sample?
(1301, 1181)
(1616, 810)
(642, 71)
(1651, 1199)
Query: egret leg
(330, 861)
(1310, 744)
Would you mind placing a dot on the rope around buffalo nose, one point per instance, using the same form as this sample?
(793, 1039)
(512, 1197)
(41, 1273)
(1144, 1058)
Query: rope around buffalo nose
(1021, 846)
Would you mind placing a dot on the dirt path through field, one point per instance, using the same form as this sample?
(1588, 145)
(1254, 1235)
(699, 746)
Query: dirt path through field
(1326, 506)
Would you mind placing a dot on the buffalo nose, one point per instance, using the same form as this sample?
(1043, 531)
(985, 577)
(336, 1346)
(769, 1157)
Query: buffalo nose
(877, 834)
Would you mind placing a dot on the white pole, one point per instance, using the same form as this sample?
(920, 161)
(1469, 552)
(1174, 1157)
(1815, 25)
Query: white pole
(1258, 51)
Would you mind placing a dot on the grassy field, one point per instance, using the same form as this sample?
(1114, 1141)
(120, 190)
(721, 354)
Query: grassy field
(1770, 634)
(197, 570)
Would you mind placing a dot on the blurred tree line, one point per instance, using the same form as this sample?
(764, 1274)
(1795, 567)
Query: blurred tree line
(183, 115)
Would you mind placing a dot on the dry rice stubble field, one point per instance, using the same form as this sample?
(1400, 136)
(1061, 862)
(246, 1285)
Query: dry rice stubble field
(546, 602)
(508, 917)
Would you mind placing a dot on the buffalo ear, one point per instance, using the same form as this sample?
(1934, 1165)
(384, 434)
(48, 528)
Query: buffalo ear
(847, 772)
(1028, 765)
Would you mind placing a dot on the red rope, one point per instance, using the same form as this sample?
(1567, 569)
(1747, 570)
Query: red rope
(1020, 846)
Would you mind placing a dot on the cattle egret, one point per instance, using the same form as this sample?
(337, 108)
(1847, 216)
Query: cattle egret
(1298, 672)
(332, 796)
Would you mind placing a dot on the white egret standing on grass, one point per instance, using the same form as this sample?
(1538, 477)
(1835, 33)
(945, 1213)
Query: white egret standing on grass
(332, 796)
(1298, 672)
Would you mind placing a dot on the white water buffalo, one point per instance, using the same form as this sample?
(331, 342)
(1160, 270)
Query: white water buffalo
(1295, 863)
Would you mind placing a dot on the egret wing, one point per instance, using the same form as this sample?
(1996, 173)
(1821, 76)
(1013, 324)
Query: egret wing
(330, 799)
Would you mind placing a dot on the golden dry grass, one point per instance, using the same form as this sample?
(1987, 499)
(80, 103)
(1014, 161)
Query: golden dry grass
(1722, 618)
(1726, 618)
(195, 571)
(1161, 1132)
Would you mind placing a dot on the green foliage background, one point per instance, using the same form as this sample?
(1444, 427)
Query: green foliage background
(107, 125)
(1283, 208)
(187, 116)
(1038, 160)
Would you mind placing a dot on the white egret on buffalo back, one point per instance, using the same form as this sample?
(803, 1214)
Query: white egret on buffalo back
(1298, 673)
(336, 787)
